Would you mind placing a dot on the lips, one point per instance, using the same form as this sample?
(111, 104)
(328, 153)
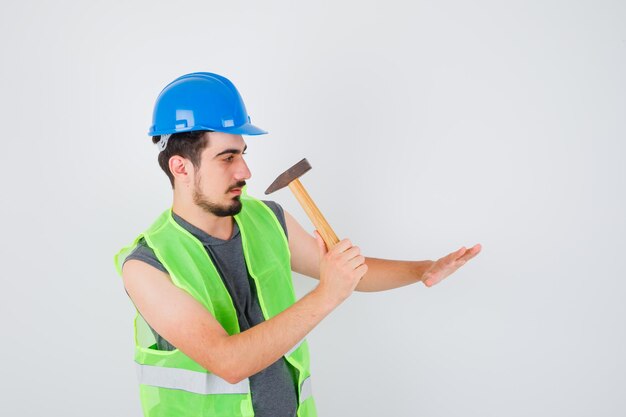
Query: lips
(236, 191)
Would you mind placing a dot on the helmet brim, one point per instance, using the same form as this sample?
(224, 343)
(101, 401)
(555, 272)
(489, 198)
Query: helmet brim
(245, 129)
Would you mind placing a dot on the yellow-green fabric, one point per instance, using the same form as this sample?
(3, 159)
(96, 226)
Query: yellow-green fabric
(267, 257)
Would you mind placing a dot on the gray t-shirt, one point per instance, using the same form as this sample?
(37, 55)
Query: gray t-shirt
(273, 389)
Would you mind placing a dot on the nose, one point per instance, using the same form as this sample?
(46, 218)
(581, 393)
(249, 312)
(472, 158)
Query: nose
(243, 172)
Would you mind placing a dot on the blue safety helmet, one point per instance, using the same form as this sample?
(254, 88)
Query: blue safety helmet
(201, 101)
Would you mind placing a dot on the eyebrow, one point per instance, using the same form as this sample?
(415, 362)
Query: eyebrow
(231, 150)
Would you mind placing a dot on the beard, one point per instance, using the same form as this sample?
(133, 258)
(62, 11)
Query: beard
(217, 209)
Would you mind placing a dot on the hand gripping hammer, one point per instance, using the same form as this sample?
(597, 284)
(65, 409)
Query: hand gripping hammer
(290, 178)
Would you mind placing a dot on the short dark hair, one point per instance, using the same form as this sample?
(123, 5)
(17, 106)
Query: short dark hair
(189, 145)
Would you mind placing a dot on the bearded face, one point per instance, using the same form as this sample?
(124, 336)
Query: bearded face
(230, 207)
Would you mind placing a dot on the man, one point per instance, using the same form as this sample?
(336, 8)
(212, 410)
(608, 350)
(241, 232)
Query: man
(218, 330)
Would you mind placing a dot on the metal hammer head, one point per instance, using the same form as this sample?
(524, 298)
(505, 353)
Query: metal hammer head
(291, 174)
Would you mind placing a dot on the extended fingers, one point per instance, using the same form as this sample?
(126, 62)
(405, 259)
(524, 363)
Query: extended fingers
(475, 250)
(449, 264)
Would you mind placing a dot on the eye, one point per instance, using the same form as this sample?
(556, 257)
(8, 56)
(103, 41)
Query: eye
(231, 157)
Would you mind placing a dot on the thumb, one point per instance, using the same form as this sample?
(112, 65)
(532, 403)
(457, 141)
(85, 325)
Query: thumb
(320, 243)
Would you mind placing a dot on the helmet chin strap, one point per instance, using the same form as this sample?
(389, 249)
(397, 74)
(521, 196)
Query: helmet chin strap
(162, 143)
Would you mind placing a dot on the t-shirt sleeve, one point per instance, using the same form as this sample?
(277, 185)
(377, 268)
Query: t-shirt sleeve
(278, 211)
(144, 253)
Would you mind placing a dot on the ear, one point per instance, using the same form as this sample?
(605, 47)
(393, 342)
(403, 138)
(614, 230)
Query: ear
(181, 169)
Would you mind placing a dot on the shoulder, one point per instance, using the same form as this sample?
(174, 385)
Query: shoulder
(145, 254)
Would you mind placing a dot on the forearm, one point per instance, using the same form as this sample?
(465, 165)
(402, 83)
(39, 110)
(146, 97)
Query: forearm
(385, 274)
(255, 349)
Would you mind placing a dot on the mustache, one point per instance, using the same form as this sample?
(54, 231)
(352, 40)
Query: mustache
(239, 185)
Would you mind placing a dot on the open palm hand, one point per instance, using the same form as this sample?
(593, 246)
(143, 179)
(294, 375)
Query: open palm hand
(445, 266)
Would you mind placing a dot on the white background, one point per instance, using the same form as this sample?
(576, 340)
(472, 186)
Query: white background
(429, 126)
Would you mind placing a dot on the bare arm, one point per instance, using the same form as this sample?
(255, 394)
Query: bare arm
(382, 274)
(185, 323)
(385, 274)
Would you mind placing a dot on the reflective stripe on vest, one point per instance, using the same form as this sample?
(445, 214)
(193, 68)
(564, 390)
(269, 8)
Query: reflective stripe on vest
(191, 381)
(200, 382)
(305, 389)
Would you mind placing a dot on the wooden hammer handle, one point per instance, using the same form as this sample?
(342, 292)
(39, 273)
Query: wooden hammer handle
(320, 223)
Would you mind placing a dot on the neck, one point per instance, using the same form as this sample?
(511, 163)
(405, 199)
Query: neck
(219, 227)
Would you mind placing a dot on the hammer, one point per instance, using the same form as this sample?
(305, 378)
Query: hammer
(290, 178)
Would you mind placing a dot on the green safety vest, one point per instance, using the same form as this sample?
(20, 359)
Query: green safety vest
(171, 383)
